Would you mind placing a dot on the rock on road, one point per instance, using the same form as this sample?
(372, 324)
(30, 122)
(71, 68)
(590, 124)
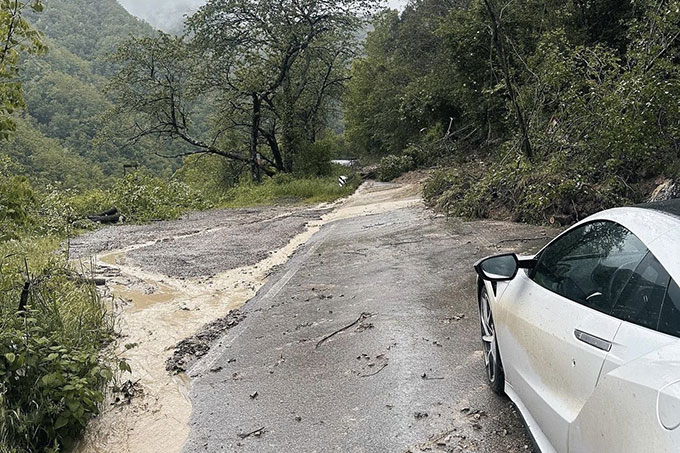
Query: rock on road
(367, 340)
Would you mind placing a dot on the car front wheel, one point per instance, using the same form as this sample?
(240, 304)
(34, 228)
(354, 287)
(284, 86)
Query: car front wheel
(492, 359)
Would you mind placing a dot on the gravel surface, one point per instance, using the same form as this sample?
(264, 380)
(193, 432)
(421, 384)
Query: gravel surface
(201, 244)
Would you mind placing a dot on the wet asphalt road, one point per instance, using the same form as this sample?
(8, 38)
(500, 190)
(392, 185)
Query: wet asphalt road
(367, 340)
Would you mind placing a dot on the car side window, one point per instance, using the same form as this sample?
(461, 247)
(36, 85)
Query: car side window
(641, 298)
(590, 264)
(669, 321)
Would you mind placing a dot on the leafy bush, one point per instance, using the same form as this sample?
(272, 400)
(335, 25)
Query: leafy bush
(140, 197)
(210, 174)
(314, 159)
(391, 167)
(17, 200)
(52, 372)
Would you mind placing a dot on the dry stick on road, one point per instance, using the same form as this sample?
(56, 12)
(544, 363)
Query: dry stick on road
(256, 433)
(373, 374)
(428, 378)
(349, 326)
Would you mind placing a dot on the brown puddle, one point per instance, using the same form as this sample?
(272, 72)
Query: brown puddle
(156, 312)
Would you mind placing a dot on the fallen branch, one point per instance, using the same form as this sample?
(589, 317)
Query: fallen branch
(105, 218)
(90, 281)
(428, 378)
(349, 326)
(354, 253)
(256, 433)
(23, 300)
(373, 374)
(110, 212)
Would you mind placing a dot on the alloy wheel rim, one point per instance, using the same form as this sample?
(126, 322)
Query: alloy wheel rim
(488, 338)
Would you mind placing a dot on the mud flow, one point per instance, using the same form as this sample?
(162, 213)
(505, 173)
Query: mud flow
(165, 281)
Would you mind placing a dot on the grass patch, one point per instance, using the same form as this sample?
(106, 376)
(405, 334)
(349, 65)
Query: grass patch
(288, 189)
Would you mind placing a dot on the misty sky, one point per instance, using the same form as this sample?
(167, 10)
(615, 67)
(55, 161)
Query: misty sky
(166, 14)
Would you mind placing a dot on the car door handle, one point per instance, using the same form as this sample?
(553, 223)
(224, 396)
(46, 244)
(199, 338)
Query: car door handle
(592, 340)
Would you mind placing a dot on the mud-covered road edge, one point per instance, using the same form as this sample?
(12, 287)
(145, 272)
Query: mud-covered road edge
(190, 350)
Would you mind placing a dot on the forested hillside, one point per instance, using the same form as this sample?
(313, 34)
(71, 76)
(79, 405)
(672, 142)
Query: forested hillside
(538, 109)
(56, 139)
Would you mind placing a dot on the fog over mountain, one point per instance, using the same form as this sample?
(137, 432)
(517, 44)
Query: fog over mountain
(168, 15)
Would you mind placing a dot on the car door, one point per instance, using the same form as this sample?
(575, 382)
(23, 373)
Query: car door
(553, 333)
(637, 403)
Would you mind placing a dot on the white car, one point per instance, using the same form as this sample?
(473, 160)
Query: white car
(584, 336)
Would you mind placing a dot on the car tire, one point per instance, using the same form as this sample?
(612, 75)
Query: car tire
(492, 358)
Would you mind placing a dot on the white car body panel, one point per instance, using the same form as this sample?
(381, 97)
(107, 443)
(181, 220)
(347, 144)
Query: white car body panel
(623, 414)
(551, 371)
(577, 398)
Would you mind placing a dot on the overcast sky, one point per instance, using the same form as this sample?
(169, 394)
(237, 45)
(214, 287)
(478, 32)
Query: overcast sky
(167, 13)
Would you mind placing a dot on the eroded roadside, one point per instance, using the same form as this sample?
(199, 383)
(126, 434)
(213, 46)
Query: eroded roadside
(169, 280)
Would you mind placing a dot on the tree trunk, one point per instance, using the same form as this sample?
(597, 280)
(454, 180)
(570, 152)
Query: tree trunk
(288, 141)
(499, 44)
(254, 134)
(276, 151)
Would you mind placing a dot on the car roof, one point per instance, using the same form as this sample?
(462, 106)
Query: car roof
(671, 206)
(658, 230)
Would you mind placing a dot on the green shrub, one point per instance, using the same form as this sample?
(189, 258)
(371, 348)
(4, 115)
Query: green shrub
(17, 202)
(210, 174)
(140, 197)
(391, 167)
(522, 191)
(314, 159)
(52, 372)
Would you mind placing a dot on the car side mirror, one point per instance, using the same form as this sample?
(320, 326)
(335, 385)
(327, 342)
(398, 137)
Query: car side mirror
(501, 268)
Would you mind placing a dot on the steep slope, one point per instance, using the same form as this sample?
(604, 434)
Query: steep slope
(90, 29)
(64, 91)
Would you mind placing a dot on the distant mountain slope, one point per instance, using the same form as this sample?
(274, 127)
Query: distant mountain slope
(55, 142)
(90, 29)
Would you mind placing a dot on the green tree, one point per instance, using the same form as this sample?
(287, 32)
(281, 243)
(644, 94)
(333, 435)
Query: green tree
(269, 71)
(406, 82)
(16, 37)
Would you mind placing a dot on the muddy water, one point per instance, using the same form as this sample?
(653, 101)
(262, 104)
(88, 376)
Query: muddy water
(156, 312)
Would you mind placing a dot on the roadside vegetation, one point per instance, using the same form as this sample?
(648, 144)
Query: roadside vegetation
(532, 110)
(53, 325)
